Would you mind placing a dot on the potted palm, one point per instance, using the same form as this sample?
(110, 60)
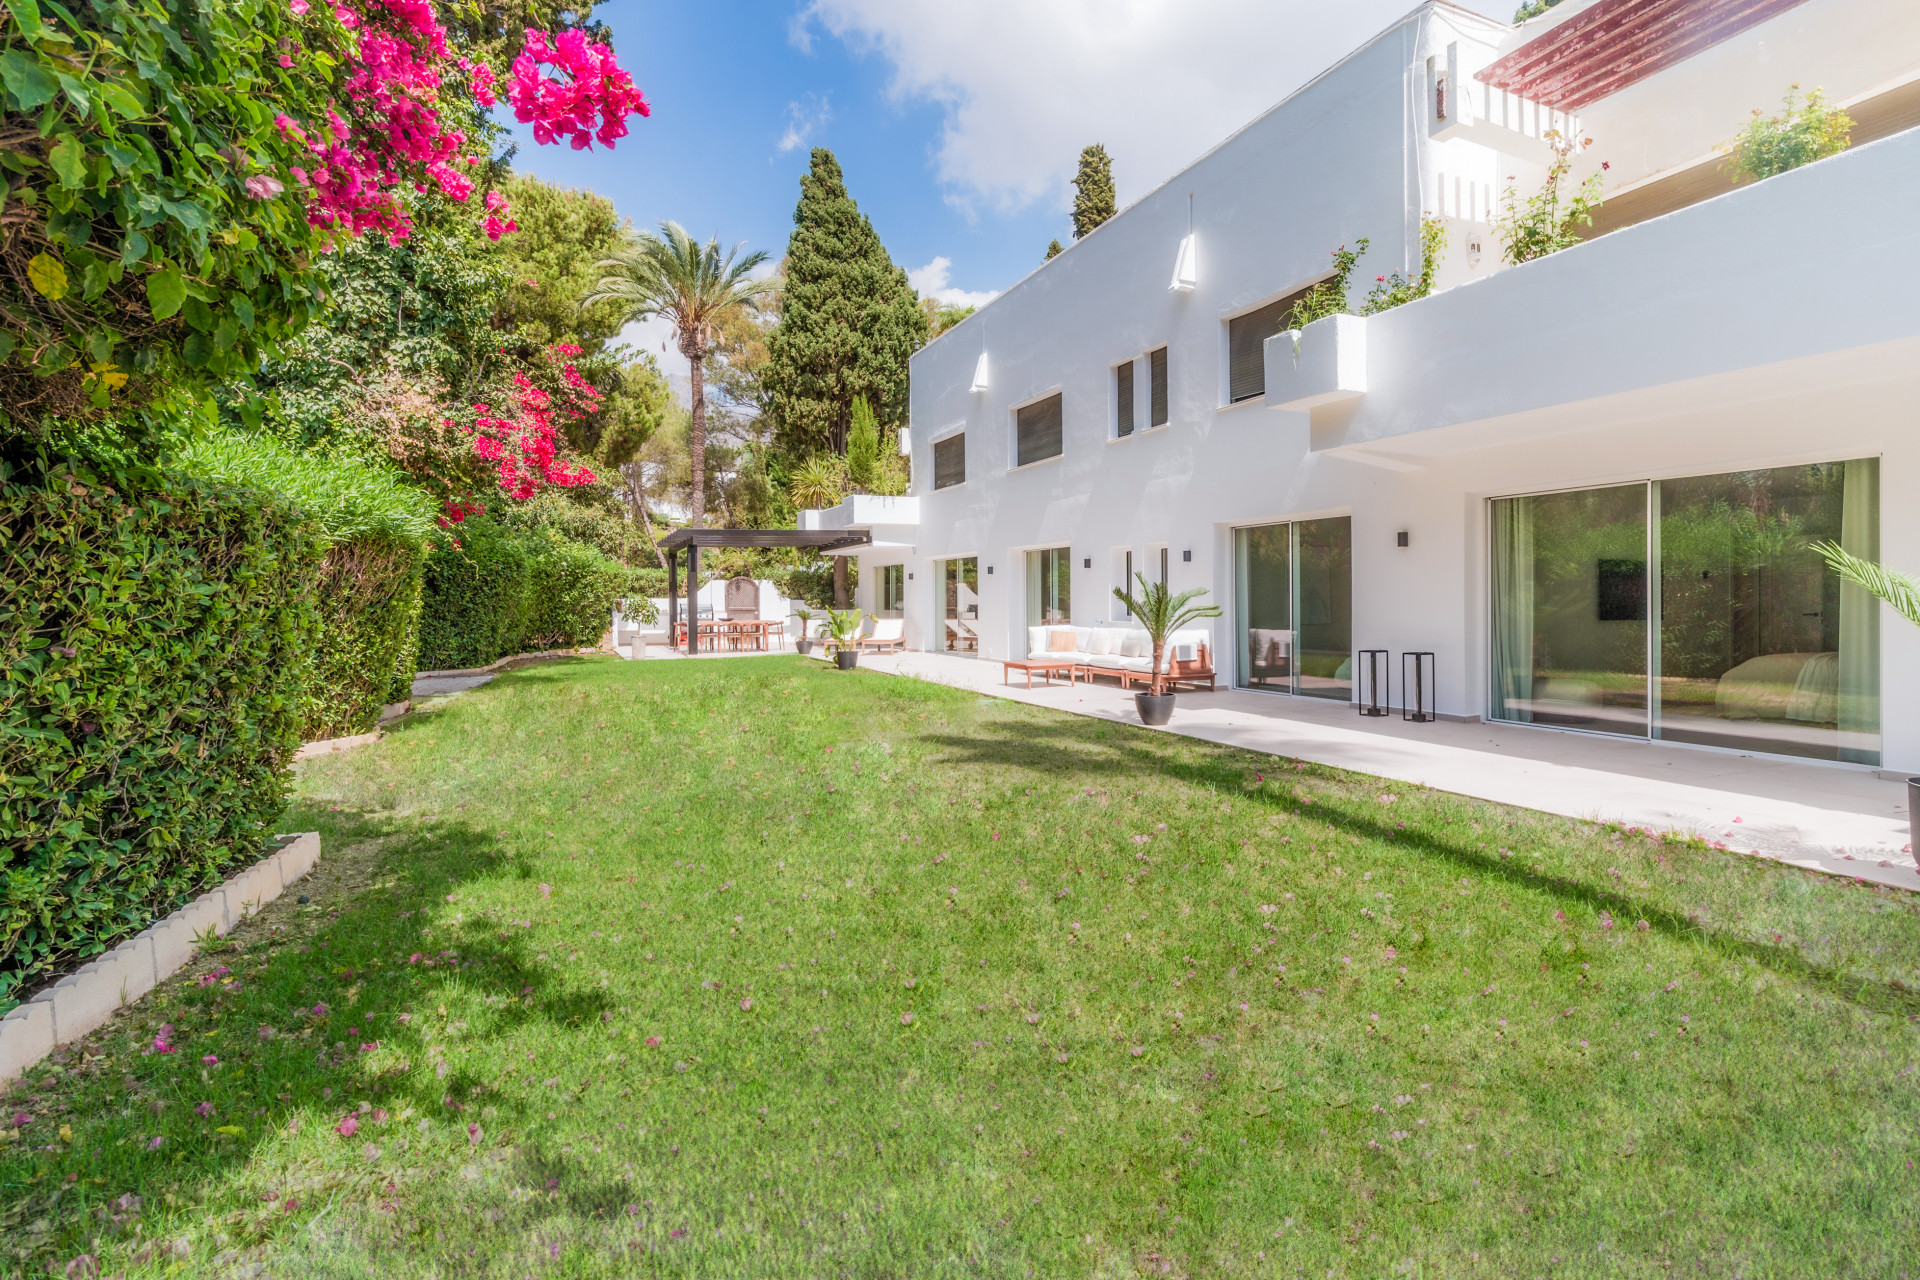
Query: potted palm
(843, 632)
(1161, 613)
(1902, 594)
(804, 641)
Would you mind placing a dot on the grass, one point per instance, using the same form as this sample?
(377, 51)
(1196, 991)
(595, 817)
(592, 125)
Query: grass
(612, 965)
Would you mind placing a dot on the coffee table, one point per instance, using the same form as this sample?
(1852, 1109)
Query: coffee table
(1047, 667)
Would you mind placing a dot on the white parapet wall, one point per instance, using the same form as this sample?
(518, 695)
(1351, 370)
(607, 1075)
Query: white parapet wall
(85, 999)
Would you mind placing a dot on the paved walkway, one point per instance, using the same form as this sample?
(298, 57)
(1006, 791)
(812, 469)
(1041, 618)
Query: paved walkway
(1847, 821)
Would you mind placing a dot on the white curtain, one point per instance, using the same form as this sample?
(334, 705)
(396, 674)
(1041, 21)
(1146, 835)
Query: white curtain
(1859, 709)
(1512, 636)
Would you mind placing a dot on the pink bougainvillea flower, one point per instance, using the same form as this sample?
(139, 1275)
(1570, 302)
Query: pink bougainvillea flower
(653, 1042)
(348, 1127)
(203, 1110)
(546, 891)
(299, 8)
(906, 1019)
(156, 1144)
(746, 1004)
(474, 1134)
(590, 99)
(210, 1060)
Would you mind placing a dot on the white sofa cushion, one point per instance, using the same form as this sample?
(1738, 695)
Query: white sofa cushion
(1134, 644)
(1036, 641)
(1102, 640)
(1106, 661)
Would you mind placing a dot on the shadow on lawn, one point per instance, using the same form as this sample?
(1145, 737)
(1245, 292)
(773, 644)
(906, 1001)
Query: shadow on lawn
(1061, 748)
(342, 967)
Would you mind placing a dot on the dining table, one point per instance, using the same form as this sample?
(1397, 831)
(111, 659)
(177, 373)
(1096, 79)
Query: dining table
(734, 634)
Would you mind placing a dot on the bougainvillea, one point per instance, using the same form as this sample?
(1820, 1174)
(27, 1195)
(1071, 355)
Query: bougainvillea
(172, 170)
(594, 89)
(525, 443)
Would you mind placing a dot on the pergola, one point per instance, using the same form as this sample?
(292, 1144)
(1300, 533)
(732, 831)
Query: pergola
(828, 540)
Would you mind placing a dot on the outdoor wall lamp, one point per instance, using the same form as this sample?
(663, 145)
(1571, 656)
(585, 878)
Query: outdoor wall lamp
(989, 569)
(1187, 556)
(1087, 563)
(1403, 537)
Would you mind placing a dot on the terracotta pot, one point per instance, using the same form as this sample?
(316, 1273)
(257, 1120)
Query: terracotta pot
(1154, 709)
(847, 659)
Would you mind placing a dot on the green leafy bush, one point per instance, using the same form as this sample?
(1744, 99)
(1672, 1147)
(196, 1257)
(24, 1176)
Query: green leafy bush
(1803, 132)
(473, 607)
(378, 527)
(1395, 289)
(571, 590)
(611, 535)
(155, 634)
(1329, 297)
(1546, 221)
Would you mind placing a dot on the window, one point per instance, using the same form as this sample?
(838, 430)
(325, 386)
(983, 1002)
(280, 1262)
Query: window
(1123, 399)
(1163, 566)
(1049, 586)
(1246, 350)
(1693, 610)
(1123, 578)
(1037, 431)
(1157, 387)
(950, 461)
(1293, 597)
(893, 590)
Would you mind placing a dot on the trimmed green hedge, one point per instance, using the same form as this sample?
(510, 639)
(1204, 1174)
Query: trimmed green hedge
(492, 591)
(155, 635)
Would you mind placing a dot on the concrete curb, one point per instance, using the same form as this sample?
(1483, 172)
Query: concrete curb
(85, 999)
(327, 746)
(512, 659)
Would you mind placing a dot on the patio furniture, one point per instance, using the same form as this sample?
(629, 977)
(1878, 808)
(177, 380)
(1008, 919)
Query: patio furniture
(1125, 653)
(1046, 666)
(826, 541)
(889, 635)
(735, 635)
(743, 598)
(961, 637)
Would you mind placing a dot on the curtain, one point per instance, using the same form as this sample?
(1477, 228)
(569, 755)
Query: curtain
(1859, 699)
(1511, 644)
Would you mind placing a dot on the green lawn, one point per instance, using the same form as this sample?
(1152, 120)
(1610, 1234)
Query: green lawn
(755, 968)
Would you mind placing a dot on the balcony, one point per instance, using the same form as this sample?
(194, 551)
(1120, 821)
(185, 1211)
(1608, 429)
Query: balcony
(891, 521)
(1788, 286)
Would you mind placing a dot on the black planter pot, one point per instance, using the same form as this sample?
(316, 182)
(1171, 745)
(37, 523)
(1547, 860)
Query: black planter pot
(804, 646)
(1154, 709)
(847, 659)
(1913, 818)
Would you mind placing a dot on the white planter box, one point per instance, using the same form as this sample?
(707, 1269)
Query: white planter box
(1324, 363)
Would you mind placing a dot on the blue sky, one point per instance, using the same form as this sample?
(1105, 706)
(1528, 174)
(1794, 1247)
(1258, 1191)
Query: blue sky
(957, 122)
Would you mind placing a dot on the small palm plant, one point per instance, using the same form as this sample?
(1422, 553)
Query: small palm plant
(843, 628)
(1160, 614)
(1897, 589)
(806, 618)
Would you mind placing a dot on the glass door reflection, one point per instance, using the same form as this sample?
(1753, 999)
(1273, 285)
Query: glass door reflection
(1293, 588)
(960, 605)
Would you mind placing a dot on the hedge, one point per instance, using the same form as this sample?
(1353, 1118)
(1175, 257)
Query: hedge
(571, 592)
(155, 633)
(473, 607)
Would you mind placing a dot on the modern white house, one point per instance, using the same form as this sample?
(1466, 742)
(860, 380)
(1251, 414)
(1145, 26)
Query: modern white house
(1586, 485)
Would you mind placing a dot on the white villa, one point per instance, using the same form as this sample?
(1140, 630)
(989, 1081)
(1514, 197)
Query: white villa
(1586, 485)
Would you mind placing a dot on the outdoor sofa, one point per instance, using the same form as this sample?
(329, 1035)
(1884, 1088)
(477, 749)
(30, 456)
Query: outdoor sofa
(1125, 653)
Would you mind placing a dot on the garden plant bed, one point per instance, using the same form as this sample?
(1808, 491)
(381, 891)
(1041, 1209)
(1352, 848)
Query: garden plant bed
(755, 969)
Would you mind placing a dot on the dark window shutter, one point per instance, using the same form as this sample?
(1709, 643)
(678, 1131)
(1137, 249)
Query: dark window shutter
(1037, 428)
(1246, 357)
(1157, 386)
(950, 461)
(1123, 415)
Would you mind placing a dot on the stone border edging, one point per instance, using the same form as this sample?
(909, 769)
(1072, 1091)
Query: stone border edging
(327, 746)
(85, 999)
(511, 659)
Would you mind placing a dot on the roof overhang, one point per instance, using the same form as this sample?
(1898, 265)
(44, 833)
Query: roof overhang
(1616, 43)
(812, 539)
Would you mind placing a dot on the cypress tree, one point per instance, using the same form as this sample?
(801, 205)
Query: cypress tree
(849, 321)
(863, 447)
(1094, 204)
(1053, 250)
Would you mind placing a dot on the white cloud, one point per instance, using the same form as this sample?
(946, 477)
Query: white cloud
(805, 118)
(1026, 85)
(935, 280)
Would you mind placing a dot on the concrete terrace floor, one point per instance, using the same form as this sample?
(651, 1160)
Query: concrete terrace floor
(1838, 819)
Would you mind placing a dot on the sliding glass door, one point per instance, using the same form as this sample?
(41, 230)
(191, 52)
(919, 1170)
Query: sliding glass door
(1049, 587)
(1693, 610)
(960, 605)
(1293, 588)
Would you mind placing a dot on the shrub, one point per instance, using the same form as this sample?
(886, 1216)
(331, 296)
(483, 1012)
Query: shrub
(473, 607)
(571, 592)
(611, 535)
(378, 527)
(1802, 133)
(1329, 297)
(1545, 222)
(1394, 289)
(155, 632)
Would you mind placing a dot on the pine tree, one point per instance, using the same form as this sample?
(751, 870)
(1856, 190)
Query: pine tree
(1053, 250)
(863, 447)
(849, 322)
(1094, 204)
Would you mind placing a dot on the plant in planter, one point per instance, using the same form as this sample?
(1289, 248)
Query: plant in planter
(1161, 613)
(804, 641)
(1902, 594)
(1548, 221)
(843, 636)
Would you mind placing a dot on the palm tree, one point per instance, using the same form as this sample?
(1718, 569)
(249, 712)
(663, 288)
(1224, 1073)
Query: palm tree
(1160, 614)
(696, 290)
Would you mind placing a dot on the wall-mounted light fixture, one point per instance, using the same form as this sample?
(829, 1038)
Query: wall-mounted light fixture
(909, 577)
(1187, 556)
(906, 441)
(1087, 563)
(1403, 537)
(1186, 265)
(980, 373)
(989, 569)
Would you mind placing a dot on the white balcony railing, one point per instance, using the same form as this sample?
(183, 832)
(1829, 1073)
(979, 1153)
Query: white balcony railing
(1458, 106)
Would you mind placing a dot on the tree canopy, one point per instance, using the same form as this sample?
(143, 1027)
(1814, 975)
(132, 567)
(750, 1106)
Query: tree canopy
(849, 321)
(1094, 203)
